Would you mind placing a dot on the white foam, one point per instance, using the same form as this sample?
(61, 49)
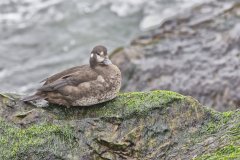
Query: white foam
(154, 11)
(157, 13)
(25, 10)
(126, 7)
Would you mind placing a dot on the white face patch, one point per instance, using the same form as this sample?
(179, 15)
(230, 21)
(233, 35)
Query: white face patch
(100, 59)
(91, 55)
(101, 53)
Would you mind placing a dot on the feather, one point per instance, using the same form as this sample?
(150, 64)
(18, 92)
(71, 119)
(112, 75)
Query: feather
(32, 98)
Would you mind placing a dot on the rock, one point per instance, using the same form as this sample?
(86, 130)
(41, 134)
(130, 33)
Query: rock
(135, 125)
(195, 53)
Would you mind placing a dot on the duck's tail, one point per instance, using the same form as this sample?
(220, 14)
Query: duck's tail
(32, 98)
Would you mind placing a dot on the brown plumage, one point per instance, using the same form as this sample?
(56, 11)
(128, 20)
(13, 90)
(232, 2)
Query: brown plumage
(82, 85)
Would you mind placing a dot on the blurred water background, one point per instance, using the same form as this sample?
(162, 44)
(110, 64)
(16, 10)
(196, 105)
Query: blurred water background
(41, 37)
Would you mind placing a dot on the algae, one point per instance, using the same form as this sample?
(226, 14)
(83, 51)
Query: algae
(229, 152)
(225, 127)
(135, 125)
(15, 141)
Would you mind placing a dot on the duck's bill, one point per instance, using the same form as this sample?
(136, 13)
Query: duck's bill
(107, 61)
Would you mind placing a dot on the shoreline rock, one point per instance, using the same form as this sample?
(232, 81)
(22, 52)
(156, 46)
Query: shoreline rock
(135, 125)
(195, 53)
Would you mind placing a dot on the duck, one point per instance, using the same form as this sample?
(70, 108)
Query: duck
(85, 85)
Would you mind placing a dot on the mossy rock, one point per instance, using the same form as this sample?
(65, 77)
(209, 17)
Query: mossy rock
(136, 125)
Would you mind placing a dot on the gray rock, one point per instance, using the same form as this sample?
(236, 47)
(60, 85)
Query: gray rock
(196, 53)
(150, 125)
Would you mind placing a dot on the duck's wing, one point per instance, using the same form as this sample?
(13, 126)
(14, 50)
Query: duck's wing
(72, 79)
(63, 74)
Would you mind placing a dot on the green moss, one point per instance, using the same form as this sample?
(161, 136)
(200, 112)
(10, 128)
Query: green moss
(227, 125)
(216, 121)
(229, 152)
(14, 141)
(124, 105)
(168, 114)
(137, 103)
(235, 132)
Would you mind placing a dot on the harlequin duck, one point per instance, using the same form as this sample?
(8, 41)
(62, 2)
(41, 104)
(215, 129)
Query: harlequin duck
(82, 85)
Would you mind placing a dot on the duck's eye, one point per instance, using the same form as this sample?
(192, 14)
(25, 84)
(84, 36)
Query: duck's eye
(98, 53)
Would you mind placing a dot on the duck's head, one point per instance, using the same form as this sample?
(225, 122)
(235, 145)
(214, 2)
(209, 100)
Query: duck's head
(99, 56)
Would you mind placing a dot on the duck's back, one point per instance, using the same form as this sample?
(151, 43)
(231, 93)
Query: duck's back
(65, 73)
(83, 86)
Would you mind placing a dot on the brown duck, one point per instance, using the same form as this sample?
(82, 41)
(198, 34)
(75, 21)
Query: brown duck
(82, 85)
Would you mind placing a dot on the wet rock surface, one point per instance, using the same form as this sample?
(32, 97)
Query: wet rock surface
(138, 125)
(195, 53)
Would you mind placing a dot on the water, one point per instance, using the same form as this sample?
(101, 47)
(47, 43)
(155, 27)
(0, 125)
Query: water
(41, 37)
